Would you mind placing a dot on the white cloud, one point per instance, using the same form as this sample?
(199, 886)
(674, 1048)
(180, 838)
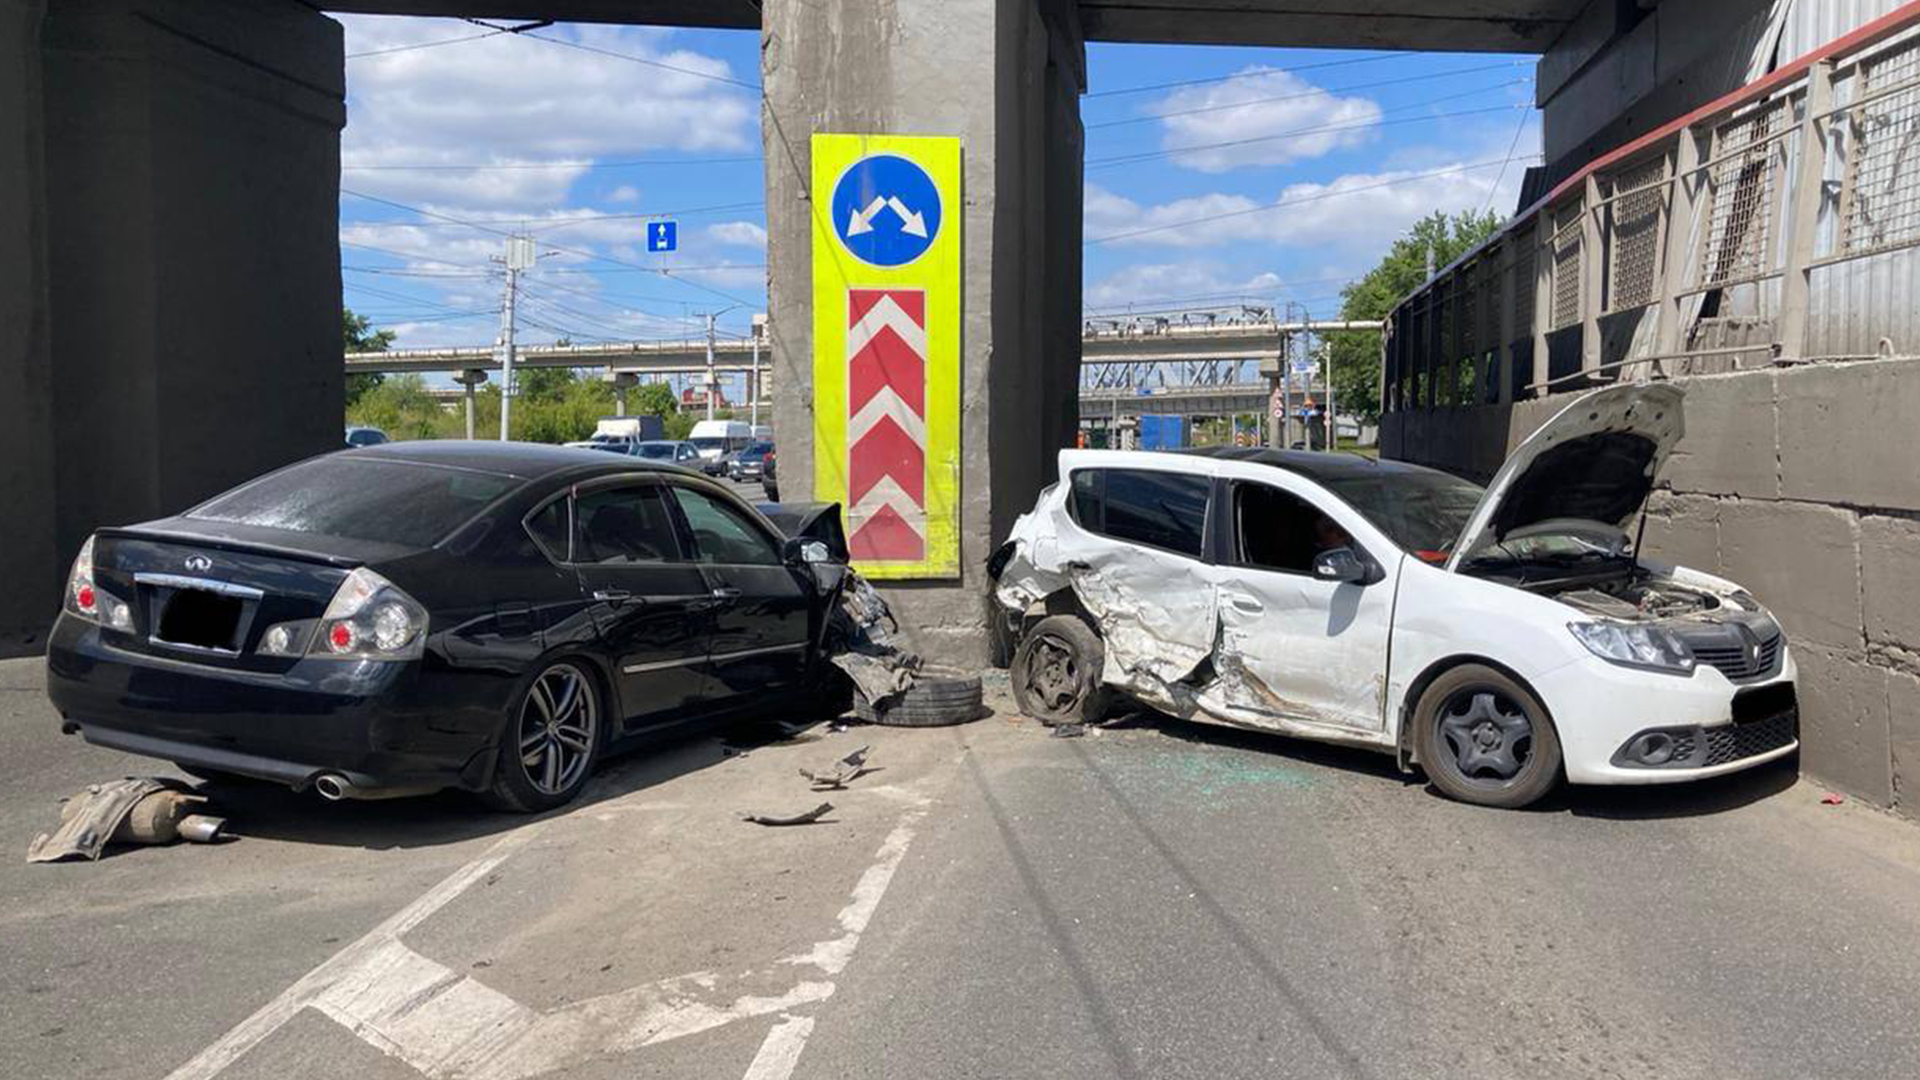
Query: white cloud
(1357, 212)
(625, 193)
(511, 99)
(1265, 103)
(739, 233)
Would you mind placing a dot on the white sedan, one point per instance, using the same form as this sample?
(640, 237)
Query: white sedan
(1502, 638)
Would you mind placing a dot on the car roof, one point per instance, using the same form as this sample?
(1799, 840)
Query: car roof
(1317, 465)
(528, 461)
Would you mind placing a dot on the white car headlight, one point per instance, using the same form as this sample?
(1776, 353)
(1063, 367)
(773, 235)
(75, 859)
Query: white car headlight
(1635, 645)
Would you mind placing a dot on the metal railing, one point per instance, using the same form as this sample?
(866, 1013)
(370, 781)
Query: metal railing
(1733, 236)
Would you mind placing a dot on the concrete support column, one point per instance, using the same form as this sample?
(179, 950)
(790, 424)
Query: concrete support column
(622, 382)
(192, 186)
(28, 545)
(1004, 76)
(470, 378)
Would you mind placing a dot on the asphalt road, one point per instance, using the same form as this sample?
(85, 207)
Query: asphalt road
(1155, 900)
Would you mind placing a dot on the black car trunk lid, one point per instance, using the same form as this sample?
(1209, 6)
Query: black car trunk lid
(207, 594)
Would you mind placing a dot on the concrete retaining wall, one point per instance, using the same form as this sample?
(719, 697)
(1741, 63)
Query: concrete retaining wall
(1802, 484)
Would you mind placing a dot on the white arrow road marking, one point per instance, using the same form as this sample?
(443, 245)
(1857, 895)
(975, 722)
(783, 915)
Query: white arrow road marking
(886, 312)
(446, 1024)
(885, 402)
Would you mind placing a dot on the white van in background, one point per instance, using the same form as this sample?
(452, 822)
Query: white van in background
(719, 439)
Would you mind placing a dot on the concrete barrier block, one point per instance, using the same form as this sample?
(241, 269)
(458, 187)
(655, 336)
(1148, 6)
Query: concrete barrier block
(1684, 530)
(1802, 561)
(1903, 721)
(1729, 446)
(1845, 433)
(1845, 736)
(1889, 576)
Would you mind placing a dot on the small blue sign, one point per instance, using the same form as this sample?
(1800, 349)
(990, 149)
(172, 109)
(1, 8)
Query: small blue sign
(886, 210)
(663, 235)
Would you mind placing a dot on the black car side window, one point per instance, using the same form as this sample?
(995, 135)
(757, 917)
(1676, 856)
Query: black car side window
(1164, 510)
(1277, 530)
(623, 526)
(722, 534)
(548, 527)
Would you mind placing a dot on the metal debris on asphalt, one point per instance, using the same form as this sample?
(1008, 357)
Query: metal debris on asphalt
(137, 810)
(807, 818)
(840, 773)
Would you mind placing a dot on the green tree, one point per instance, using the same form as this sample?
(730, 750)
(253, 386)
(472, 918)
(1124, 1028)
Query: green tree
(1356, 356)
(359, 336)
(653, 399)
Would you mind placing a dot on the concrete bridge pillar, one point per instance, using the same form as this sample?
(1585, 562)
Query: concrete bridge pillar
(1004, 76)
(169, 264)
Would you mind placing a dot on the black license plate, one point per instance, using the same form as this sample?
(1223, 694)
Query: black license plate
(202, 619)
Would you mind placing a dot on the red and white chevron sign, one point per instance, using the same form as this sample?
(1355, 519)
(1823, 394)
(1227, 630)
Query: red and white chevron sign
(887, 424)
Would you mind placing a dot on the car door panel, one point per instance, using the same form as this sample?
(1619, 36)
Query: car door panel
(761, 617)
(651, 605)
(1296, 648)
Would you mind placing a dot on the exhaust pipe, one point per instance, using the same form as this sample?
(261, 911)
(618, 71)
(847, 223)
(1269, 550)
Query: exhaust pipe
(333, 787)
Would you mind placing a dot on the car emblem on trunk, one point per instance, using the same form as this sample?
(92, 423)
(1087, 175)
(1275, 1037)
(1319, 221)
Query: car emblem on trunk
(199, 564)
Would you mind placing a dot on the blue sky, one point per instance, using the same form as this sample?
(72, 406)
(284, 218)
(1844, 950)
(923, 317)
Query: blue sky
(580, 142)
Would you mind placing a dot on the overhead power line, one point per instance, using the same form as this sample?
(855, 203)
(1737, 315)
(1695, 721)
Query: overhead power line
(1314, 92)
(1147, 89)
(1330, 193)
(1176, 151)
(423, 45)
(755, 87)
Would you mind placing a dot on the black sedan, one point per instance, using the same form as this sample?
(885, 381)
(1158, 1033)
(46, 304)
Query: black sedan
(422, 615)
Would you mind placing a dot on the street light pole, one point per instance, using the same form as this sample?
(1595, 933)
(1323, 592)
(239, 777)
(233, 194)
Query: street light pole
(519, 257)
(710, 317)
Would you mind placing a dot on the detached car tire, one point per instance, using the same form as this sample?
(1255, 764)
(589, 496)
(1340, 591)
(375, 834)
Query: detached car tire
(551, 744)
(1056, 672)
(1483, 738)
(939, 697)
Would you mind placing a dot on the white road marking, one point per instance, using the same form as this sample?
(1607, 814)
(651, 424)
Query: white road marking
(781, 1052)
(448, 1024)
(250, 1032)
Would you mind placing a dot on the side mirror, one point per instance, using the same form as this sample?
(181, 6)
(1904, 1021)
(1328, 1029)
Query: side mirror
(1341, 565)
(800, 551)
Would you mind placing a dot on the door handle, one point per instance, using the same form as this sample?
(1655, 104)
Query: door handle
(726, 594)
(612, 595)
(1245, 603)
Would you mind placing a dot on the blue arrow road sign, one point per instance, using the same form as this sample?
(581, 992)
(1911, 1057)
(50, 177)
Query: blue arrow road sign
(886, 210)
(663, 235)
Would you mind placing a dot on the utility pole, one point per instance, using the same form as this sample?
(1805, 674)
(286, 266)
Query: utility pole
(753, 381)
(519, 257)
(710, 383)
(1326, 365)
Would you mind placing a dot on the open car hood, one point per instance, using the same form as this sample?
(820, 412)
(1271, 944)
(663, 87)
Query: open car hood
(1596, 460)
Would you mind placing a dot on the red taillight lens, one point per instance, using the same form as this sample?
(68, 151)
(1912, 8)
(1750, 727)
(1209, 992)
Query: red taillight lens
(85, 598)
(340, 636)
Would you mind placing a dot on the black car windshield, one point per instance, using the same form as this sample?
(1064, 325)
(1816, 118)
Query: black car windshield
(657, 451)
(1423, 512)
(758, 450)
(394, 502)
(709, 442)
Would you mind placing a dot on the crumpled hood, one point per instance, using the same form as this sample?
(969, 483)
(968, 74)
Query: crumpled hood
(1596, 460)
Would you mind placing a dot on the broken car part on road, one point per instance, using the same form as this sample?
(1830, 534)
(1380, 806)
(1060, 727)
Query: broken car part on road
(1504, 638)
(137, 810)
(807, 818)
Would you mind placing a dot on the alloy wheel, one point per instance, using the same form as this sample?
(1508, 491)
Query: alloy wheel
(559, 722)
(1488, 734)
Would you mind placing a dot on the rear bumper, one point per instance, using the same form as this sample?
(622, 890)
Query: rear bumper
(370, 722)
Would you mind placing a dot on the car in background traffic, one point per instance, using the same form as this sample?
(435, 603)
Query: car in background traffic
(366, 436)
(749, 463)
(670, 451)
(494, 617)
